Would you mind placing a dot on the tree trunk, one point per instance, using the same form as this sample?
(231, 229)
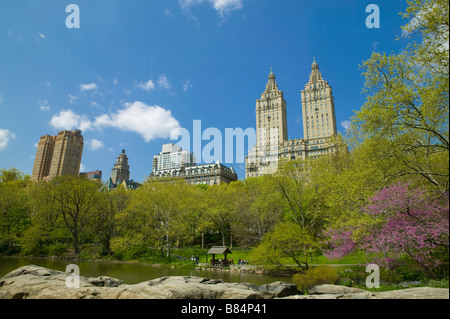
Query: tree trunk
(167, 243)
(223, 236)
(203, 240)
(231, 239)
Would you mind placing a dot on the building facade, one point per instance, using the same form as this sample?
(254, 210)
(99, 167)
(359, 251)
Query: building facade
(272, 144)
(176, 167)
(94, 175)
(43, 158)
(121, 170)
(120, 174)
(172, 156)
(58, 155)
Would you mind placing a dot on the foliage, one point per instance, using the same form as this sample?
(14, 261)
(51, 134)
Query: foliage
(314, 276)
(405, 223)
(286, 239)
(407, 107)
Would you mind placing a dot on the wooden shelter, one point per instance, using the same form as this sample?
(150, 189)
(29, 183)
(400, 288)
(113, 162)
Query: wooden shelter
(219, 250)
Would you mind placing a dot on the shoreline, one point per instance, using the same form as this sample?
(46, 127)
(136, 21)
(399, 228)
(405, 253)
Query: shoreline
(254, 269)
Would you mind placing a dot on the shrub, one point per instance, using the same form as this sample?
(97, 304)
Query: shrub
(315, 276)
(56, 249)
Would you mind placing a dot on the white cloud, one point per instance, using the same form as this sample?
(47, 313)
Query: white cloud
(68, 120)
(345, 124)
(43, 105)
(72, 98)
(221, 6)
(167, 12)
(35, 145)
(41, 35)
(115, 81)
(82, 168)
(151, 122)
(187, 85)
(88, 87)
(95, 104)
(95, 144)
(5, 137)
(164, 82)
(147, 86)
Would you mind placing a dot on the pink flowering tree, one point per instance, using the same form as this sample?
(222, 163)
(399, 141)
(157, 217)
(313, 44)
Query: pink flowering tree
(407, 224)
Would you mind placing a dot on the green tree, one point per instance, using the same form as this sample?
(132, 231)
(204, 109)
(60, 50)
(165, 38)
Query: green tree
(222, 207)
(12, 174)
(14, 216)
(407, 106)
(286, 239)
(76, 200)
(198, 216)
(158, 213)
(299, 195)
(260, 208)
(104, 223)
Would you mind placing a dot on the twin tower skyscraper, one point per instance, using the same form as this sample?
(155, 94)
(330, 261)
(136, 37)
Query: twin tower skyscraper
(272, 144)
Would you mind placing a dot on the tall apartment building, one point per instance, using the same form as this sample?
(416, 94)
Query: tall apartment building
(58, 155)
(43, 158)
(272, 144)
(174, 162)
(121, 170)
(120, 174)
(319, 119)
(172, 156)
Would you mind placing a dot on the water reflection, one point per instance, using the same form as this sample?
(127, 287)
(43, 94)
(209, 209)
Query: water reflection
(133, 273)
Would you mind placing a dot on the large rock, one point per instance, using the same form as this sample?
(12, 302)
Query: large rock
(280, 289)
(40, 283)
(333, 289)
(343, 292)
(35, 282)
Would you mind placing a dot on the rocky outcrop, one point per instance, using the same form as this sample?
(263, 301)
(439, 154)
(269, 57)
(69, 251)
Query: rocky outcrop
(343, 292)
(33, 282)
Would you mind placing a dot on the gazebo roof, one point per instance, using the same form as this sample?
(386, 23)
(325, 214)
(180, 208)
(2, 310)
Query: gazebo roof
(219, 250)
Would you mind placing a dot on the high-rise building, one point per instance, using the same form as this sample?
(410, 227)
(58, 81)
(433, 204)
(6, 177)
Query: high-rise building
(172, 156)
(121, 169)
(319, 120)
(173, 162)
(272, 144)
(120, 174)
(58, 155)
(43, 158)
(271, 118)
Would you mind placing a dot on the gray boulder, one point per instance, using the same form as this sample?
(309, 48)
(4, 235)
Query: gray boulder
(343, 292)
(35, 282)
(333, 289)
(280, 289)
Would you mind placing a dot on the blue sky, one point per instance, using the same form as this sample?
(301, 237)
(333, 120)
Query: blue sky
(135, 70)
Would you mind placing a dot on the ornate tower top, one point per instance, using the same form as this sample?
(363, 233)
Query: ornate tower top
(271, 84)
(121, 169)
(315, 75)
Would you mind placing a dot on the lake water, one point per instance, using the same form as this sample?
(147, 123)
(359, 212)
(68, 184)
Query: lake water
(133, 273)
